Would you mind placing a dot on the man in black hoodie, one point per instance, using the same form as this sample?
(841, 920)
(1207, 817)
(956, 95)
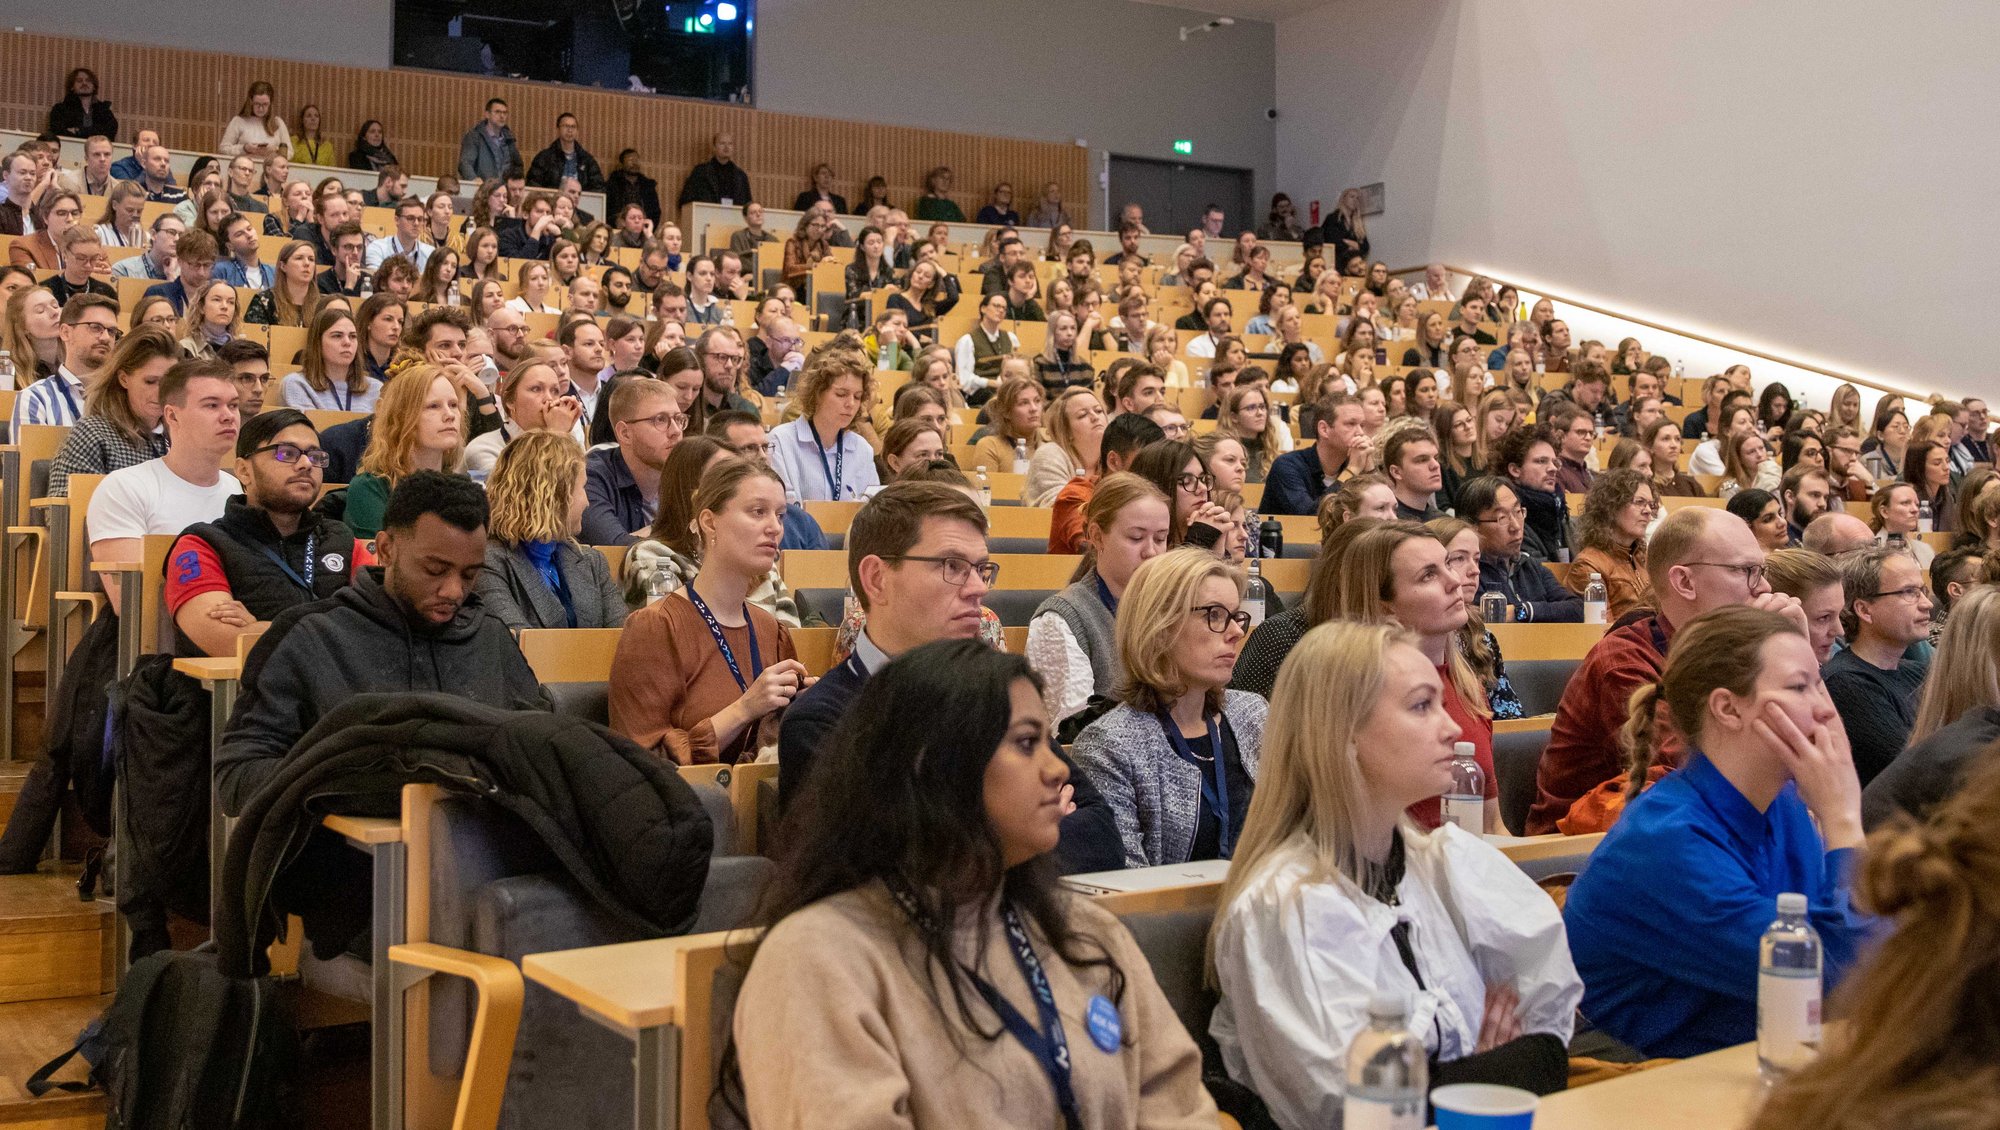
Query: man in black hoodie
(410, 624)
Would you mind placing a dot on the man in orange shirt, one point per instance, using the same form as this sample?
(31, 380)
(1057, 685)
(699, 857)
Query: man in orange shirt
(1123, 437)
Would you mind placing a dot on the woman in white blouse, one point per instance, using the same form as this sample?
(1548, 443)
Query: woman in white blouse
(820, 455)
(1070, 639)
(256, 131)
(1334, 895)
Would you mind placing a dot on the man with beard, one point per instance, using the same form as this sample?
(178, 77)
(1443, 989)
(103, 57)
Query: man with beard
(269, 551)
(1807, 493)
(622, 483)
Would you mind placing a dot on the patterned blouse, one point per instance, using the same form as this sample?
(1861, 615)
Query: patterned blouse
(95, 447)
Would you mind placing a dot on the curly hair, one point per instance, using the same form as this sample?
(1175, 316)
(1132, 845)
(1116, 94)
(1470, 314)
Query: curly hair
(530, 487)
(1612, 492)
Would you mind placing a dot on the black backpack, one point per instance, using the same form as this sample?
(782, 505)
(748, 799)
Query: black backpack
(184, 1046)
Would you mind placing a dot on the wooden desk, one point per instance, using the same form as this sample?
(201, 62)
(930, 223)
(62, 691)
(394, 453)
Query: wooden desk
(1716, 1091)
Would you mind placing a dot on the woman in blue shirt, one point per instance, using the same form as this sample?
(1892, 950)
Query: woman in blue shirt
(1664, 924)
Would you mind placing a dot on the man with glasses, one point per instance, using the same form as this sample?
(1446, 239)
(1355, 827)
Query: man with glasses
(1977, 445)
(1532, 592)
(1341, 449)
(722, 355)
(88, 330)
(195, 251)
(775, 354)
(744, 434)
(918, 563)
(250, 363)
(157, 261)
(622, 483)
(1173, 423)
(1851, 478)
(1873, 682)
(269, 551)
(1699, 559)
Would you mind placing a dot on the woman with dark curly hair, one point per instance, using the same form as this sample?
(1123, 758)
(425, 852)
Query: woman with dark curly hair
(1612, 533)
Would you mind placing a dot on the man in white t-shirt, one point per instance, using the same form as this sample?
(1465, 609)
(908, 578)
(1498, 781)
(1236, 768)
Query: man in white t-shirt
(198, 401)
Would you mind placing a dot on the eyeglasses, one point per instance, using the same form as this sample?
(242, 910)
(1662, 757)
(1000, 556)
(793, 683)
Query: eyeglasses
(663, 420)
(957, 571)
(1910, 593)
(111, 331)
(1192, 482)
(292, 453)
(1517, 514)
(1219, 618)
(1751, 573)
(732, 358)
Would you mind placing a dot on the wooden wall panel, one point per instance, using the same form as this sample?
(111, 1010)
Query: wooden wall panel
(189, 95)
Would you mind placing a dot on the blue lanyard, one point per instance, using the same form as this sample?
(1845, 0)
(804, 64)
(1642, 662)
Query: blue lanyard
(1045, 1041)
(1104, 593)
(722, 643)
(1216, 791)
(334, 390)
(305, 582)
(833, 473)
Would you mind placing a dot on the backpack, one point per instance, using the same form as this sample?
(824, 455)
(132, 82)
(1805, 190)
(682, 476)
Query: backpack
(79, 721)
(182, 1046)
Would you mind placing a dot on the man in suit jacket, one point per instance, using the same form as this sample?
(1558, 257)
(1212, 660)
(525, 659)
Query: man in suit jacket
(904, 549)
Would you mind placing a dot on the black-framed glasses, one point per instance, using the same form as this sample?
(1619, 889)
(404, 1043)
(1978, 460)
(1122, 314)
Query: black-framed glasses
(1912, 592)
(1219, 618)
(1193, 482)
(663, 420)
(292, 453)
(957, 571)
(1751, 573)
(110, 331)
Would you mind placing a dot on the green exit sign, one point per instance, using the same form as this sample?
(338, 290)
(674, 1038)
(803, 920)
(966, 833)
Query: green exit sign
(1184, 147)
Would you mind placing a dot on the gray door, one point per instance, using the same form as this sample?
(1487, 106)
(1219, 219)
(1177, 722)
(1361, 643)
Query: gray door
(1174, 193)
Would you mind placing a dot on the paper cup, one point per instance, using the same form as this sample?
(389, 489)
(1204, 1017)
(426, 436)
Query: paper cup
(1483, 1106)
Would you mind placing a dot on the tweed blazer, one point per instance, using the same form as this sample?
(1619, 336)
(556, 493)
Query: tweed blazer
(1155, 796)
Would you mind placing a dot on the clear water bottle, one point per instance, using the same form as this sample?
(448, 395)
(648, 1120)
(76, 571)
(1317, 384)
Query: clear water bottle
(1388, 1073)
(1020, 457)
(1788, 991)
(728, 313)
(661, 583)
(985, 486)
(1923, 517)
(1595, 600)
(6, 369)
(1493, 607)
(791, 498)
(1465, 804)
(1256, 594)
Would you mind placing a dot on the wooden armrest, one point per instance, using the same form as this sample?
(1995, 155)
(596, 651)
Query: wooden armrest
(96, 598)
(362, 831)
(210, 668)
(115, 566)
(49, 502)
(36, 532)
(1519, 725)
(496, 1019)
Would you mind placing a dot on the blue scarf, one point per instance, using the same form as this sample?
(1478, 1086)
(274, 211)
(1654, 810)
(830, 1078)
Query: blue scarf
(542, 554)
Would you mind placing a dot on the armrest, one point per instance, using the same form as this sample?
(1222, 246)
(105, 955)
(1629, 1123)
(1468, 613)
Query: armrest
(209, 669)
(361, 831)
(496, 1020)
(96, 600)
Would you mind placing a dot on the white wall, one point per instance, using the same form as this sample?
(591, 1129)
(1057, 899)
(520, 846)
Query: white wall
(353, 33)
(1813, 179)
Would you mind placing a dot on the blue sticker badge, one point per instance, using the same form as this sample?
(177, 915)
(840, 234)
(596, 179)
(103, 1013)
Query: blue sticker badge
(1101, 1017)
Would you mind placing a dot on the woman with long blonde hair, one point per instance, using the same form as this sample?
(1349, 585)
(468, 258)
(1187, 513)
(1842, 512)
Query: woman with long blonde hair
(536, 574)
(1075, 419)
(210, 321)
(293, 300)
(418, 427)
(1016, 415)
(1336, 895)
(1958, 716)
(1246, 416)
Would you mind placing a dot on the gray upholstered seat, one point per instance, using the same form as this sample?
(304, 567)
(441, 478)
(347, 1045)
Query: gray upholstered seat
(1516, 757)
(1540, 682)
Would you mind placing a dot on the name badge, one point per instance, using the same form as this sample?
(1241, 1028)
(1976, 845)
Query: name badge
(1101, 1017)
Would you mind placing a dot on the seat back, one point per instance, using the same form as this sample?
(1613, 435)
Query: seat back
(1517, 755)
(588, 701)
(1175, 943)
(1540, 682)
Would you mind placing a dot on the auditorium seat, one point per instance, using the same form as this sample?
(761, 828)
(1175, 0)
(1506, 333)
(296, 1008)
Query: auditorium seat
(1517, 754)
(1540, 682)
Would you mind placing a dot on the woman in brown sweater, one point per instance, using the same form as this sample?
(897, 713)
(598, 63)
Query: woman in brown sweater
(919, 944)
(700, 672)
(1620, 506)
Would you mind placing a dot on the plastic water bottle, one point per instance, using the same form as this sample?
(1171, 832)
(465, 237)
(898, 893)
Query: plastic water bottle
(1256, 594)
(1923, 517)
(1465, 804)
(985, 488)
(1788, 991)
(1595, 600)
(6, 369)
(1493, 607)
(1388, 1073)
(1020, 457)
(660, 584)
(728, 313)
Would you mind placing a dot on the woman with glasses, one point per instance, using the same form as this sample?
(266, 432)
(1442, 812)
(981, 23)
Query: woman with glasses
(1612, 534)
(1178, 471)
(1666, 921)
(536, 574)
(670, 558)
(1176, 760)
(703, 672)
(535, 399)
(54, 214)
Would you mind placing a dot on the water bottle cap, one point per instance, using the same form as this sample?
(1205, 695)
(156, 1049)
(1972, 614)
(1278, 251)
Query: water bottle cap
(1597, 576)
(1462, 749)
(1386, 1005)
(1791, 902)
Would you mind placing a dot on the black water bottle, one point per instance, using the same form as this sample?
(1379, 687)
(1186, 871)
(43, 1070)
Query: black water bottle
(1270, 538)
